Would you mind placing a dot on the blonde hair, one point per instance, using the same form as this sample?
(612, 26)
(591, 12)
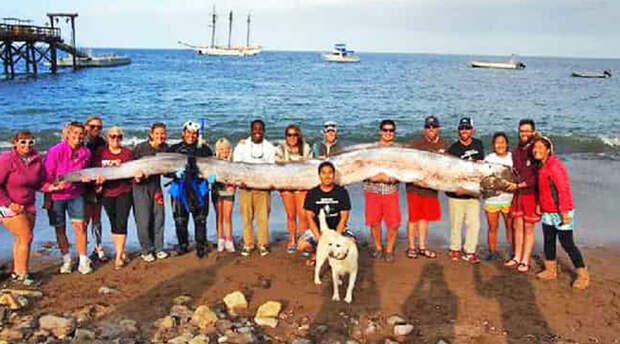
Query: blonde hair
(114, 129)
(220, 143)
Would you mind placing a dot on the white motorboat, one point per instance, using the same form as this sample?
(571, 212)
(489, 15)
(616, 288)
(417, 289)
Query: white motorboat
(229, 50)
(340, 54)
(601, 75)
(94, 60)
(513, 63)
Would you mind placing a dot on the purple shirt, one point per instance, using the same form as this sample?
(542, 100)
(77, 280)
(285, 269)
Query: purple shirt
(524, 167)
(20, 179)
(62, 159)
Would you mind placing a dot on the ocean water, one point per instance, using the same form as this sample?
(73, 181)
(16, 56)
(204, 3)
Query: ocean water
(298, 87)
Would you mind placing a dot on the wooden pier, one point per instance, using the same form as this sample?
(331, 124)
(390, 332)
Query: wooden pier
(30, 45)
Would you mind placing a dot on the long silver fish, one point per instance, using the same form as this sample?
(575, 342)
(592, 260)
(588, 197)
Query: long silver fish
(436, 171)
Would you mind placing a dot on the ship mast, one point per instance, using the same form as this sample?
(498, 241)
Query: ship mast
(230, 17)
(247, 40)
(213, 17)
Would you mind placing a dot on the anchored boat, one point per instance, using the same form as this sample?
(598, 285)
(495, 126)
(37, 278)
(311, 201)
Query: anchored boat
(513, 63)
(341, 54)
(601, 75)
(229, 50)
(94, 60)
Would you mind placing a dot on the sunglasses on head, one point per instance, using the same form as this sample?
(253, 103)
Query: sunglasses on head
(292, 135)
(386, 130)
(116, 136)
(26, 142)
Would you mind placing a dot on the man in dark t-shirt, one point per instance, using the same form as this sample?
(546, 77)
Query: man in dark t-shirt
(463, 207)
(331, 198)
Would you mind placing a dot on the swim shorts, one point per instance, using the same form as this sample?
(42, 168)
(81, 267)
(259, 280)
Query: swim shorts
(524, 206)
(378, 207)
(495, 208)
(423, 207)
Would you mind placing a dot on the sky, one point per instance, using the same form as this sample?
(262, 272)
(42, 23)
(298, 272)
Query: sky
(570, 28)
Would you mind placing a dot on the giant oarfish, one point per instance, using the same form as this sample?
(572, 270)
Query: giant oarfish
(433, 170)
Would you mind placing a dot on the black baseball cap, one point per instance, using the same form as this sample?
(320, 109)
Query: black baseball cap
(466, 123)
(431, 121)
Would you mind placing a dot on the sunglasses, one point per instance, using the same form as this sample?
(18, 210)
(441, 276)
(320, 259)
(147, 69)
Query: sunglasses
(466, 127)
(26, 142)
(94, 126)
(113, 136)
(292, 135)
(388, 130)
(431, 126)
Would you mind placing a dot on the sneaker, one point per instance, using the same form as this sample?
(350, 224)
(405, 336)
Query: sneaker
(101, 256)
(26, 280)
(162, 255)
(182, 249)
(491, 256)
(263, 250)
(454, 255)
(229, 245)
(221, 243)
(85, 266)
(246, 251)
(471, 257)
(148, 257)
(65, 268)
(201, 252)
(291, 247)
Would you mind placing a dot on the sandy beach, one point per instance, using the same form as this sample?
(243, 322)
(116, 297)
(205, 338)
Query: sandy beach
(453, 301)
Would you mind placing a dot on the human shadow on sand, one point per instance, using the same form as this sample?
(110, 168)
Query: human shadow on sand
(432, 305)
(343, 321)
(521, 317)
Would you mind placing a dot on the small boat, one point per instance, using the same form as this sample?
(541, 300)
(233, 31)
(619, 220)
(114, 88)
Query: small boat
(93, 60)
(602, 75)
(513, 63)
(341, 54)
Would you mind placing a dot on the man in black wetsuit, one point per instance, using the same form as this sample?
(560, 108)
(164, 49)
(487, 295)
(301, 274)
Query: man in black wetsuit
(199, 210)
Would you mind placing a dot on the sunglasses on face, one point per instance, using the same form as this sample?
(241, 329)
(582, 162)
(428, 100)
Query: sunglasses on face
(388, 130)
(114, 136)
(465, 128)
(95, 126)
(431, 127)
(292, 135)
(26, 142)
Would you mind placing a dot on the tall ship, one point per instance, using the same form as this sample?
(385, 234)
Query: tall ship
(228, 50)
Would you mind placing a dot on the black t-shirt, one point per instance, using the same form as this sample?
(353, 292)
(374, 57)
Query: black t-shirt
(145, 149)
(332, 202)
(472, 152)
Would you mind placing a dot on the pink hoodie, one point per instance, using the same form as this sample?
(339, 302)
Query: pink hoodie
(20, 179)
(60, 159)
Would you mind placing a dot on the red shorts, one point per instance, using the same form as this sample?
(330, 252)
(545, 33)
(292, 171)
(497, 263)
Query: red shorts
(423, 207)
(382, 207)
(524, 206)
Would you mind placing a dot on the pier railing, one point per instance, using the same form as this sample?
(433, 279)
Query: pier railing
(10, 32)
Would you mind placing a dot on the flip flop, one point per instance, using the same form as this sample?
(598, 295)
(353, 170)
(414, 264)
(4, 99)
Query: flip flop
(412, 253)
(523, 267)
(424, 252)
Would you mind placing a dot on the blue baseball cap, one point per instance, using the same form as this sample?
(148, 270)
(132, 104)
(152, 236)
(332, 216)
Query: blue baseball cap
(431, 121)
(466, 123)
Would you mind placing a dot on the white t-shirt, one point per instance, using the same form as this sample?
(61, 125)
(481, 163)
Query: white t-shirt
(505, 198)
(254, 153)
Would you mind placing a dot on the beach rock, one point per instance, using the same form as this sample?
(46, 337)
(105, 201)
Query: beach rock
(237, 339)
(269, 309)
(40, 336)
(23, 292)
(26, 322)
(84, 314)
(235, 301)
(129, 327)
(58, 326)
(271, 322)
(4, 312)
(390, 341)
(199, 339)
(351, 341)
(11, 334)
(22, 300)
(203, 317)
(181, 312)
(103, 290)
(183, 339)
(371, 329)
(396, 319)
(441, 341)
(83, 336)
(301, 341)
(403, 330)
(165, 322)
(182, 300)
(9, 301)
(223, 325)
(319, 330)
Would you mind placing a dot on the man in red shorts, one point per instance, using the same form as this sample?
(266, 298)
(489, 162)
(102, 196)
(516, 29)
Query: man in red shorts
(381, 201)
(423, 203)
(523, 208)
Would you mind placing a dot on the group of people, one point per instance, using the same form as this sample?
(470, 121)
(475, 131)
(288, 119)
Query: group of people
(540, 192)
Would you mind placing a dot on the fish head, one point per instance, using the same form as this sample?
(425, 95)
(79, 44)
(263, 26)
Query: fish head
(496, 183)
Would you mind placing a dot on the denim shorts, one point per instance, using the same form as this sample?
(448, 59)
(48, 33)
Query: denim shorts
(74, 207)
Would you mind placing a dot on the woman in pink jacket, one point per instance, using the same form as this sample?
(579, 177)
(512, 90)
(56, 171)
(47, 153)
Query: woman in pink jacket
(558, 212)
(21, 175)
(67, 156)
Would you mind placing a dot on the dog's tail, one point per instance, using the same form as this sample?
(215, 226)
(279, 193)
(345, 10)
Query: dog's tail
(323, 220)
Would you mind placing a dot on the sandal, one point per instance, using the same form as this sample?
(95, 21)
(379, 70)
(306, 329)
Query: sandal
(424, 252)
(412, 253)
(119, 266)
(512, 262)
(376, 254)
(523, 267)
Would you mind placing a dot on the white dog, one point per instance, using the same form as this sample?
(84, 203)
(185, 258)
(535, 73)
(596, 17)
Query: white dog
(342, 254)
